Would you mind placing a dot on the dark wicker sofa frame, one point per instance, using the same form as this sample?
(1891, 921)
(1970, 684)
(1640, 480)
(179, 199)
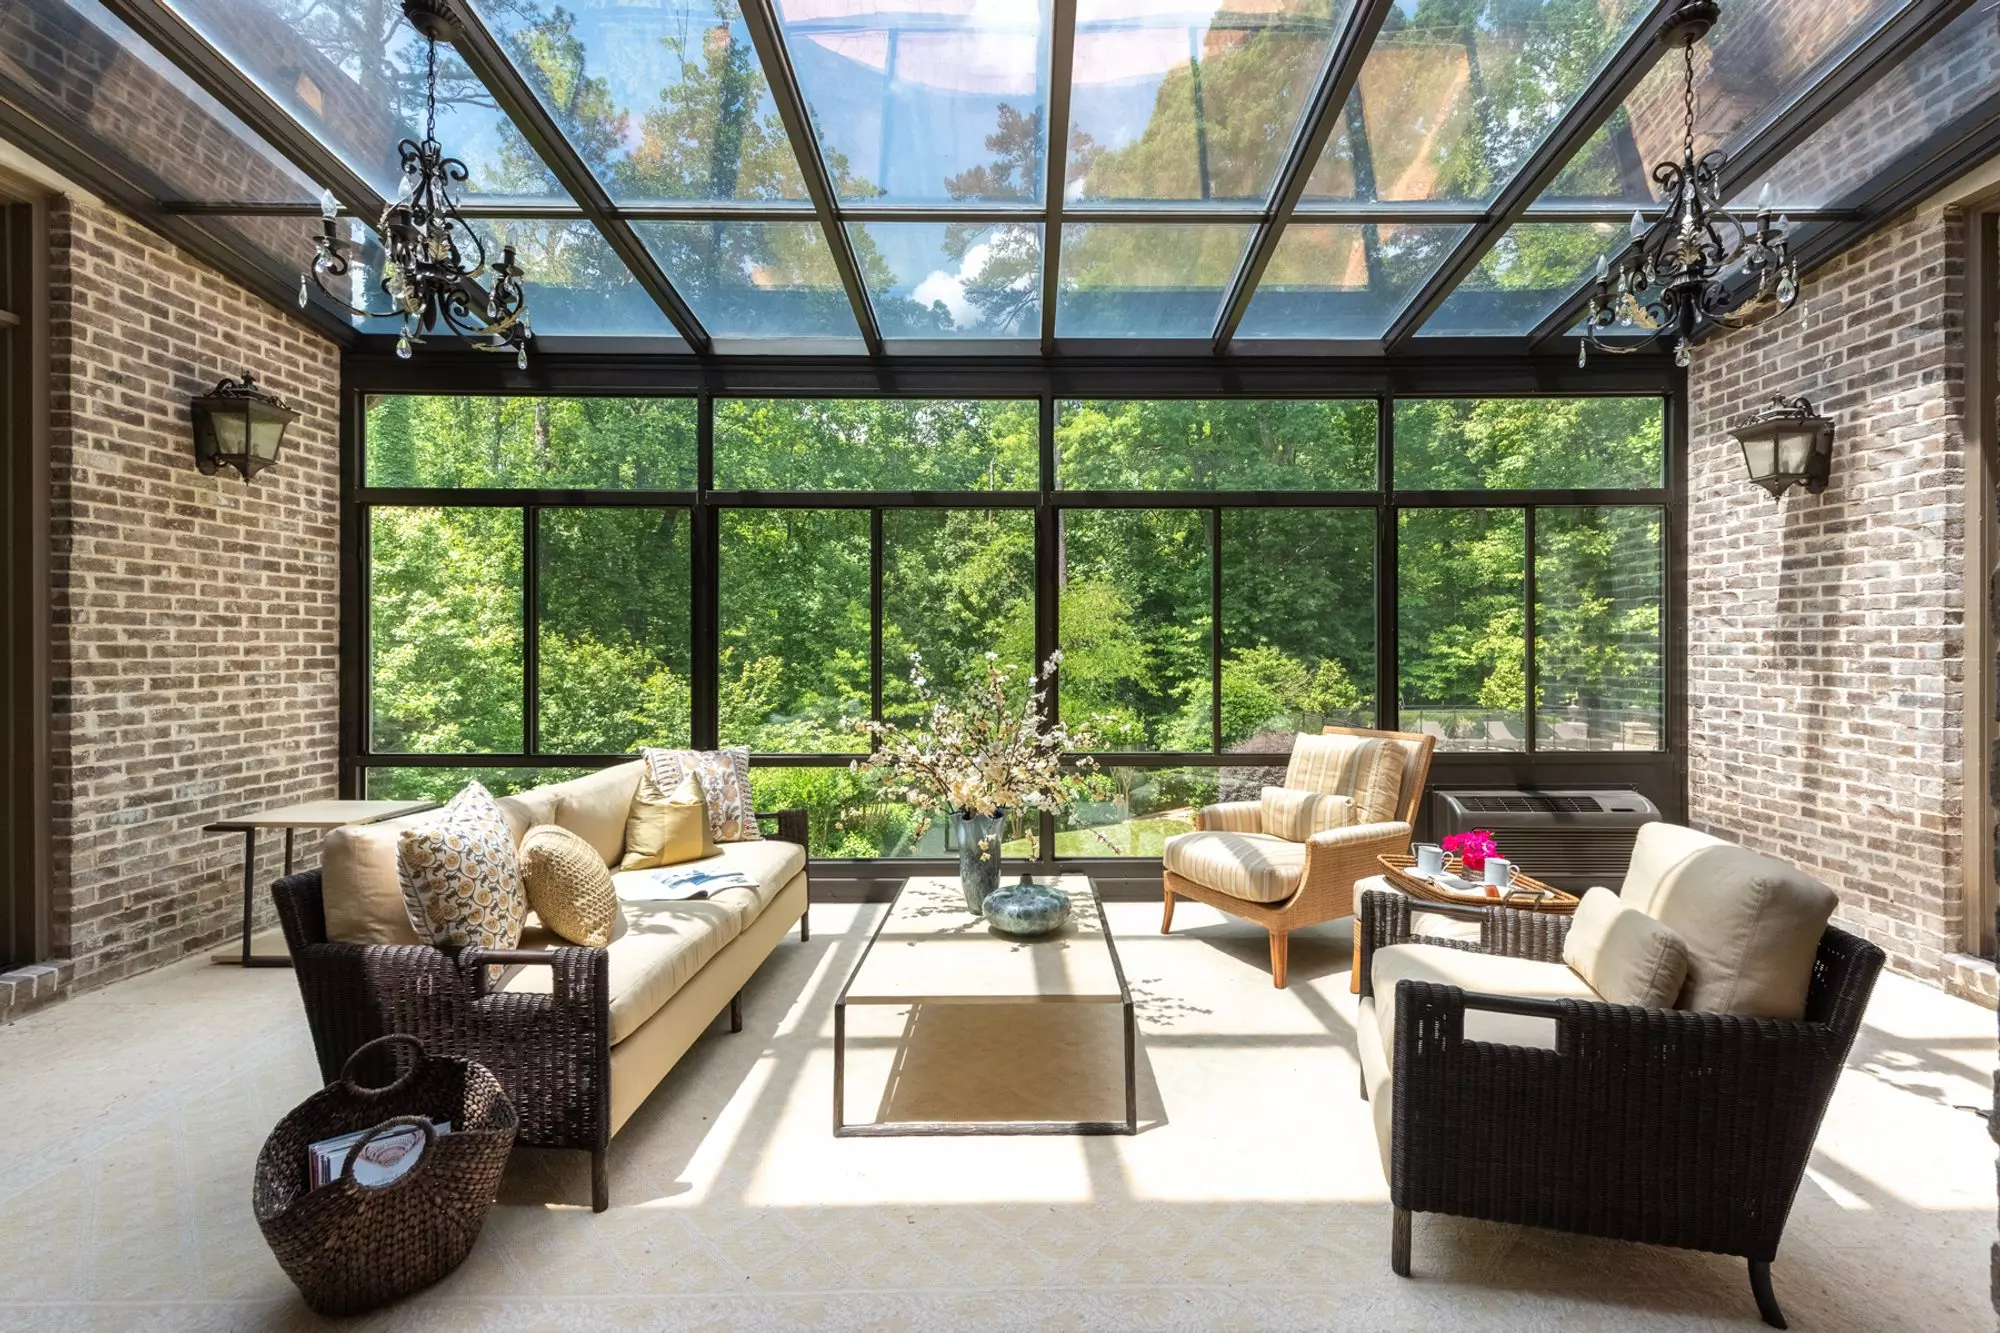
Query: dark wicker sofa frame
(552, 1053)
(1657, 1125)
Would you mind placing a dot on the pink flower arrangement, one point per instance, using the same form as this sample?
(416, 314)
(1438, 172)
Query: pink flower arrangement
(1472, 848)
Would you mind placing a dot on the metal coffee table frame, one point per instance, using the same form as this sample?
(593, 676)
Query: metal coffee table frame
(1130, 1125)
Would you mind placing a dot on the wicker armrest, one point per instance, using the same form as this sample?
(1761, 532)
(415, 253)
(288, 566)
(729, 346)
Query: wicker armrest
(1383, 919)
(792, 826)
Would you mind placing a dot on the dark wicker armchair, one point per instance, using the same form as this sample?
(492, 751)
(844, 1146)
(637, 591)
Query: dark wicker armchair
(551, 1052)
(1664, 1126)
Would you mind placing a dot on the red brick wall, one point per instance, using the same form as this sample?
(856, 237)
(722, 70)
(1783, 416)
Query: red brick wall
(1826, 633)
(196, 618)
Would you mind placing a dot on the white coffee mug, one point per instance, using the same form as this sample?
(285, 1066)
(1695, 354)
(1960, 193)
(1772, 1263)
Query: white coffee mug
(1430, 858)
(1499, 871)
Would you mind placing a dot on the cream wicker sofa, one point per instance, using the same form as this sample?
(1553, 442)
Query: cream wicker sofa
(1230, 863)
(578, 1037)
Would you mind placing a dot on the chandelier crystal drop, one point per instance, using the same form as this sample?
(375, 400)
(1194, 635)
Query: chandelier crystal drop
(1696, 268)
(433, 263)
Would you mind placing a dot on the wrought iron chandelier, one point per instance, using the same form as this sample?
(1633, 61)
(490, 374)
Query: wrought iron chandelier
(433, 261)
(1697, 268)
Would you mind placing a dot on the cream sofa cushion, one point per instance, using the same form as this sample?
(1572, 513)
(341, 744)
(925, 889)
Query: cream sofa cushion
(1376, 1075)
(595, 806)
(1623, 954)
(1488, 973)
(661, 947)
(361, 888)
(1751, 923)
(1366, 769)
(1297, 815)
(772, 864)
(526, 810)
(1255, 867)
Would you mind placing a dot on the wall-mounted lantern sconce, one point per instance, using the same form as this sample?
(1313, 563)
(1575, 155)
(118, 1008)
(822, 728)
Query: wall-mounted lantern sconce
(238, 424)
(1787, 444)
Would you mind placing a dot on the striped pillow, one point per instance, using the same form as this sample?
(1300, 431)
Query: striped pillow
(1367, 769)
(1297, 815)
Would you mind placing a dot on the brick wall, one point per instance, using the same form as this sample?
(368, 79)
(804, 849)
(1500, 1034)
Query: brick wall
(1826, 633)
(195, 654)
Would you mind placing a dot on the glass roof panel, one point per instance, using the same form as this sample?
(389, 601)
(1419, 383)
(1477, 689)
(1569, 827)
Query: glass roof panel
(1531, 269)
(1760, 54)
(576, 283)
(1191, 99)
(1343, 279)
(958, 279)
(1949, 75)
(754, 279)
(1145, 280)
(352, 73)
(665, 101)
(81, 70)
(1454, 97)
(925, 101)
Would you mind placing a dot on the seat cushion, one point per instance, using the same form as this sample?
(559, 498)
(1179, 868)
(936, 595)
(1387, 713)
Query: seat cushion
(768, 862)
(1623, 954)
(659, 950)
(461, 882)
(595, 806)
(1297, 815)
(1255, 867)
(568, 887)
(666, 825)
(1366, 769)
(1751, 923)
(1487, 973)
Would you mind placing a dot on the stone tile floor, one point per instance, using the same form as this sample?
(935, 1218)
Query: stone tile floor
(1253, 1198)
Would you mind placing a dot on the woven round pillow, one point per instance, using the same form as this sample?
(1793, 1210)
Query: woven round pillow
(568, 885)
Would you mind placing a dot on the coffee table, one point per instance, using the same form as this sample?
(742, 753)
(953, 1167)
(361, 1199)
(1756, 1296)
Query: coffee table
(928, 950)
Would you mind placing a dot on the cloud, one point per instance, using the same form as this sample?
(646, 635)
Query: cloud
(949, 288)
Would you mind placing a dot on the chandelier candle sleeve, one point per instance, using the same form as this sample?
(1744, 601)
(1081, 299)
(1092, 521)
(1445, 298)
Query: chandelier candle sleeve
(432, 262)
(1696, 268)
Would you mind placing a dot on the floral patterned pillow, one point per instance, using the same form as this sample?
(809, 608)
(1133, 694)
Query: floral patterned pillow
(725, 784)
(461, 882)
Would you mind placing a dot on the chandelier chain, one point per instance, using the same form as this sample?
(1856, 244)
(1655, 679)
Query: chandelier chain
(1687, 100)
(431, 92)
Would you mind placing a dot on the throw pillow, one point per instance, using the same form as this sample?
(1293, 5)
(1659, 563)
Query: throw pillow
(725, 784)
(1623, 954)
(461, 882)
(1367, 769)
(568, 885)
(667, 827)
(1297, 815)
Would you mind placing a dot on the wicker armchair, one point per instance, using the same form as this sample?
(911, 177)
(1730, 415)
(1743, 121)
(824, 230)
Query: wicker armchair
(551, 1052)
(1333, 860)
(1665, 1126)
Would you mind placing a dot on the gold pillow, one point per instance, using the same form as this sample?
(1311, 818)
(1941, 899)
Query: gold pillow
(568, 885)
(666, 827)
(1297, 815)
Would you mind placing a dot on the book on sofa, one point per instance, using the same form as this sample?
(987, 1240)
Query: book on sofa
(681, 884)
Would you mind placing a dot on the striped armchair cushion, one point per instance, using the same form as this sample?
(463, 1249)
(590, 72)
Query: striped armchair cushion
(1366, 769)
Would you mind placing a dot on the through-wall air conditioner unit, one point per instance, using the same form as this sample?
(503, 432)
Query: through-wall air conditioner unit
(1572, 839)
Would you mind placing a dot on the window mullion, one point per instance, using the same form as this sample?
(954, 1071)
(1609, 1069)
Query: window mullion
(1529, 663)
(531, 632)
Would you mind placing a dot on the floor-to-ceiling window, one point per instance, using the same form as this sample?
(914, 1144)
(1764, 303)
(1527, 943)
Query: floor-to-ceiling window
(553, 582)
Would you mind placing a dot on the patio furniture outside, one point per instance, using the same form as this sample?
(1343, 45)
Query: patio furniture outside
(928, 950)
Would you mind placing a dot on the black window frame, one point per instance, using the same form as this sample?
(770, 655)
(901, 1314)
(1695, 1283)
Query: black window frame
(1659, 774)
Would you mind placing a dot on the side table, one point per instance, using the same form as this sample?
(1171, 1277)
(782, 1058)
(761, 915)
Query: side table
(320, 815)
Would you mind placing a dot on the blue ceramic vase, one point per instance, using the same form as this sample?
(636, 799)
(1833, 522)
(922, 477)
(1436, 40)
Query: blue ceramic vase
(978, 855)
(1026, 910)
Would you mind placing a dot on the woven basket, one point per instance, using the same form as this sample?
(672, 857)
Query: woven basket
(350, 1247)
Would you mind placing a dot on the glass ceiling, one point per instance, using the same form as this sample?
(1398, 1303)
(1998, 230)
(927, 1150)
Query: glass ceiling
(1218, 183)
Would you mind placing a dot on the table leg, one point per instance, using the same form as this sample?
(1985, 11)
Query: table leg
(249, 887)
(1131, 1071)
(288, 850)
(839, 1069)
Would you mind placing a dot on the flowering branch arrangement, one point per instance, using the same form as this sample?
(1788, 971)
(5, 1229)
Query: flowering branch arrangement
(1472, 848)
(986, 754)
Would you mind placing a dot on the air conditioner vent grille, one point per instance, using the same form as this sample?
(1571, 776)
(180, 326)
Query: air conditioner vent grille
(1524, 804)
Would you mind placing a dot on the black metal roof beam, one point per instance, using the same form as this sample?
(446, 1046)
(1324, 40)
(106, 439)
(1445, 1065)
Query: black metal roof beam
(762, 20)
(1055, 179)
(137, 202)
(491, 65)
(1615, 79)
(173, 37)
(1336, 83)
(1840, 79)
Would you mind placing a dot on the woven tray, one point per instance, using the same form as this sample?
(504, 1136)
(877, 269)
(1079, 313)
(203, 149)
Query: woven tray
(1526, 893)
